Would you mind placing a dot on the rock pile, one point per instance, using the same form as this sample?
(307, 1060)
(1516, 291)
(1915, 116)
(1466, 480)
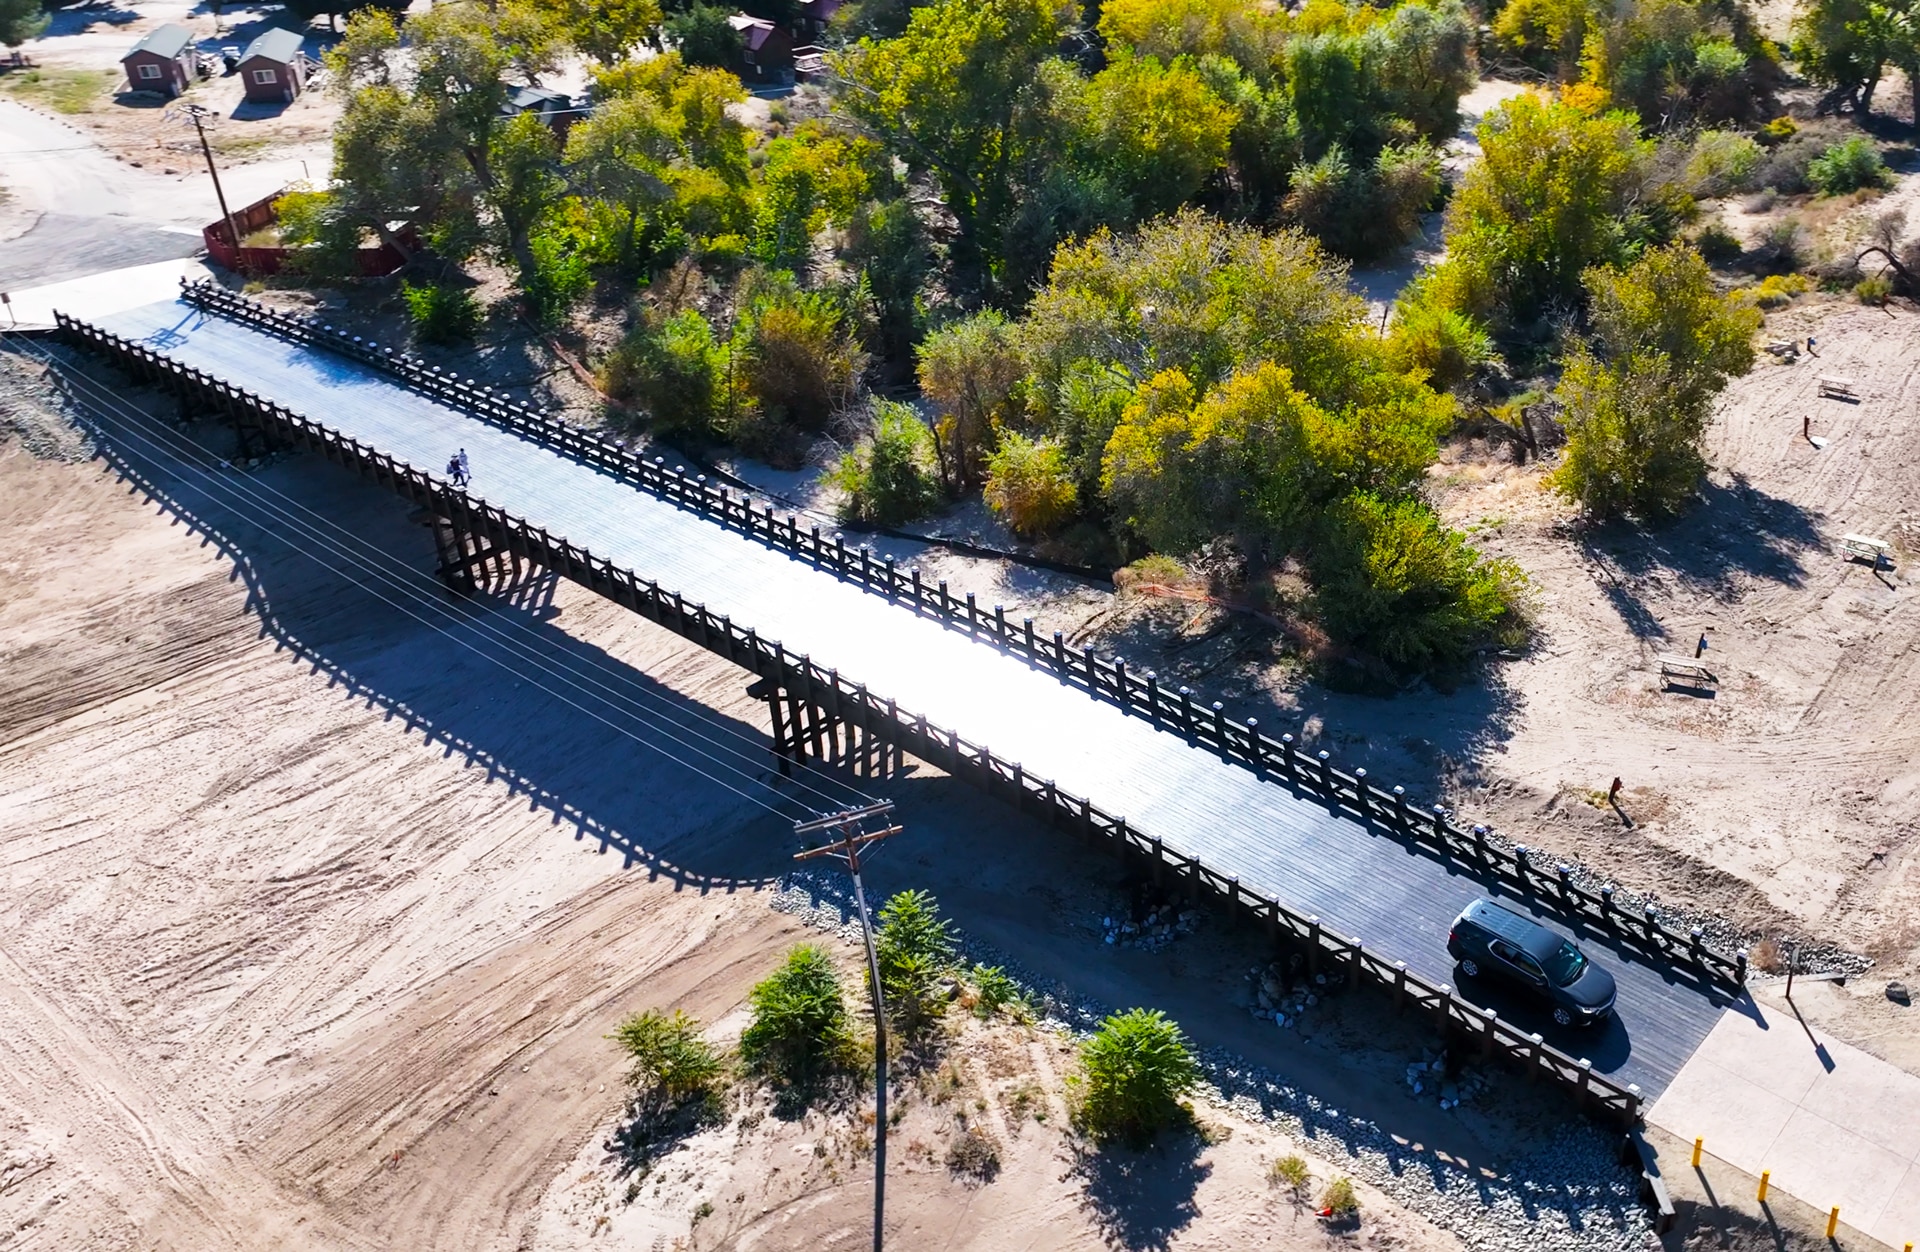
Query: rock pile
(1160, 927)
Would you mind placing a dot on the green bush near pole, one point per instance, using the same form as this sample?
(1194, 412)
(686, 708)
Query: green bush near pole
(1134, 1071)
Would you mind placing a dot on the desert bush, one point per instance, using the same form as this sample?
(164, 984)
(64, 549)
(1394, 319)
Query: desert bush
(1391, 578)
(1717, 244)
(669, 1055)
(1134, 1071)
(1781, 249)
(559, 276)
(1846, 166)
(1722, 162)
(799, 1030)
(1291, 1173)
(889, 476)
(974, 1155)
(913, 946)
(1156, 568)
(441, 314)
(994, 990)
(1339, 1199)
(1776, 290)
(674, 370)
(1445, 344)
(1873, 289)
(797, 352)
(1779, 130)
(1030, 483)
(1785, 166)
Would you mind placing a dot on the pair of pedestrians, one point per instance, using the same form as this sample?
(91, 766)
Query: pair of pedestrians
(458, 470)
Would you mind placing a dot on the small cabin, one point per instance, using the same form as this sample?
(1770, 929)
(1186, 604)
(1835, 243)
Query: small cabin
(766, 50)
(162, 61)
(273, 69)
(555, 109)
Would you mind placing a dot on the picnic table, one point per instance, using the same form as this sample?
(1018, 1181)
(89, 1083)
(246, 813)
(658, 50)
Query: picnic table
(1867, 548)
(1686, 671)
(1832, 388)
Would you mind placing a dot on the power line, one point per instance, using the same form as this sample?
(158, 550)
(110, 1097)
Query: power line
(258, 493)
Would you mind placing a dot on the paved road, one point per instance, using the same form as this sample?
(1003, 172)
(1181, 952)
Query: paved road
(1278, 843)
(77, 211)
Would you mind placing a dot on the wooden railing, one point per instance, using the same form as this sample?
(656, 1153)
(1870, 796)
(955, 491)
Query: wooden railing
(1428, 829)
(1324, 945)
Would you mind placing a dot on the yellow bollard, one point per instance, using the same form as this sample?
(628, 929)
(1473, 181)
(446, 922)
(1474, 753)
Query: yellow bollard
(1764, 1175)
(1833, 1221)
(1696, 1152)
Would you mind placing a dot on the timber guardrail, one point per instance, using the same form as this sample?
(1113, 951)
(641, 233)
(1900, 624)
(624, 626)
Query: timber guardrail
(854, 704)
(1428, 829)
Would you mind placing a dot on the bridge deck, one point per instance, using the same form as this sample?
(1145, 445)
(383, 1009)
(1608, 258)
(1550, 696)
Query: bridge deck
(1277, 842)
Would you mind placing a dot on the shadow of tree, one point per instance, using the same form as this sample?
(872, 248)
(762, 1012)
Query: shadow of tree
(1141, 1198)
(1735, 535)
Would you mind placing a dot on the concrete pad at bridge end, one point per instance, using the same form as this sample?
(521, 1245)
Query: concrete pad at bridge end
(1831, 1124)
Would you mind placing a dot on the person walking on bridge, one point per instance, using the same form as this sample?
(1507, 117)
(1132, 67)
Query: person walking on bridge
(466, 470)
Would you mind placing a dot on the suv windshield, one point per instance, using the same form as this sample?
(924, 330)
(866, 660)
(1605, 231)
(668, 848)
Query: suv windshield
(1565, 964)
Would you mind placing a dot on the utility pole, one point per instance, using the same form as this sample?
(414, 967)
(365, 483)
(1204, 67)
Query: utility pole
(846, 835)
(197, 112)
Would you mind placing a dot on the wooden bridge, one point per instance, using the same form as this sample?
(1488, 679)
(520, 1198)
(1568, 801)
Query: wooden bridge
(1351, 874)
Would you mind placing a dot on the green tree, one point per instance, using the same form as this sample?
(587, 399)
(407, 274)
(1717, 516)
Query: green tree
(1158, 132)
(970, 370)
(955, 97)
(1639, 390)
(702, 36)
(887, 246)
(1845, 45)
(799, 1031)
(624, 154)
(1134, 1071)
(21, 20)
(1557, 189)
(607, 30)
(1426, 65)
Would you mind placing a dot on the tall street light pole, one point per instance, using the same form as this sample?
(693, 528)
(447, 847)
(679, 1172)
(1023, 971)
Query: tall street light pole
(846, 835)
(198, 112)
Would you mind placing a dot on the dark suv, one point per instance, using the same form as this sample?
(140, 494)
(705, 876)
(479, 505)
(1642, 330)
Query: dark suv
(1489, 939)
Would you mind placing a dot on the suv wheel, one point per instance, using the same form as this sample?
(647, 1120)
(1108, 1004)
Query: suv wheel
(1563, 1016)
(1470, 967)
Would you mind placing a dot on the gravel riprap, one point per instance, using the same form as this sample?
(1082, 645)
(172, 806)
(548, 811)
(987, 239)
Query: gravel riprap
(1573, 1195)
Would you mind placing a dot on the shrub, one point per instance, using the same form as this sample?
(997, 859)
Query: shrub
(798, 352)
(1779, 130)
(1777, 289)
(1030, 483)
(1717, 244)
(1393, 580)
(799, 1030)
(913, 944)
(1873, 289)
(994, 990)
(1785, 168)
(1291, 1172)
(889, 476)
(674, 370)
(1846, 166)
(1448, 346)
(441, 314)
(559, 276)
(974, 1155)
(1722, 162)
(669, 1056)
(1134, 1070)
(1156, 569)
(1781, 249)
(1339, 1199)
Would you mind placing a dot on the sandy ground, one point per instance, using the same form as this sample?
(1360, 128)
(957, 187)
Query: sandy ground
(316, 922)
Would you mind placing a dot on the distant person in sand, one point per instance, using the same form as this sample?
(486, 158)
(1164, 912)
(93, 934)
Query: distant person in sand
(1810, 351)
(1700, 647)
